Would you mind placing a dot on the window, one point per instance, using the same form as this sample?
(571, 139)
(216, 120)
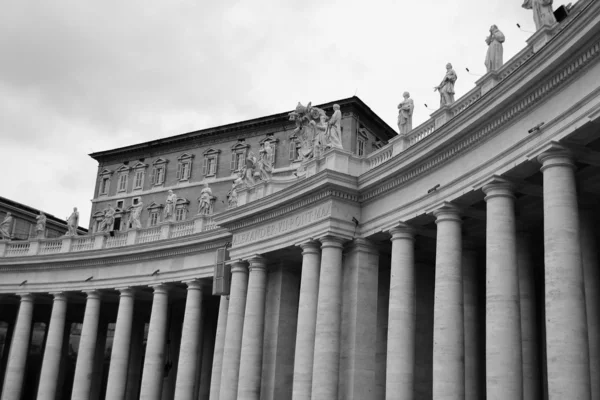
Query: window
(211, 159)
(273, 144)
(159, 171)
(179, 214)
(135, 201)
(361, 147)
(238, 155)
(181, 209)
(104, 185)
(154, 218)
(139, 179)
(120, 203)
(122, 186)
(294, 151)
(184, 167)
(140, 174)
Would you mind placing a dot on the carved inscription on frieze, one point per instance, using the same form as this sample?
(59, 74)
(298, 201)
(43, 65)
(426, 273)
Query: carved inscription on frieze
(282, 226)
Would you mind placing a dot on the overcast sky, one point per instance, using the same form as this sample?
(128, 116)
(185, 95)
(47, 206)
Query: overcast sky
(78, 77)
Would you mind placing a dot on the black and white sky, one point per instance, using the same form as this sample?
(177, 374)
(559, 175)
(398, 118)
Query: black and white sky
(78, 77)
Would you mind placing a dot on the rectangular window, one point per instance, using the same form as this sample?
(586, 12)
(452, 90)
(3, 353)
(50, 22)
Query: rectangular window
(122, 182)
(154, 219)
(139, 179)
(212, 166)
(158, 175)
(104, 186)
(120, 204)
(179, 214)
(360, 151)
(239, 161)
(183, 171)
(135, 201)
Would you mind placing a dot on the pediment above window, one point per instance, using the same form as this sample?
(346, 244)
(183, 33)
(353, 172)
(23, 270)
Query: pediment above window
(181, 201)
(98, 215)
(106, 172)
(269, 138)
(123, 168)
(240, 146)
(154, 206)
(159, 161)
(211, 151)
(185, 156)
(140, 165)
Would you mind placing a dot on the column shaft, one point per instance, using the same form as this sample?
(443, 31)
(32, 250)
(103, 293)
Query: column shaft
(327, 334)
(84, 366)
(474, 349)
(567, 347)
(17, 358)
(307, 321)
(116, 386)
(448, 328)
(191, 340)
(233, 335)
(504, 370)
(154, 361)
(53, 350)
(217, 367)
(401, 317)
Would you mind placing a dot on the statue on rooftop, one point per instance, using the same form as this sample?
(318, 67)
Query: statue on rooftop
(135, 214)
(232, 196)
(169, 210)
(206, 201)
(334, 126)
(446, 87)
(264, 165)
(405, 112)
(248, 170)
(306, 119)
(108, 220)
(320, 138)
(40, 226)
(73, 223)
(6, 226)
(493, 58)
(542, 12)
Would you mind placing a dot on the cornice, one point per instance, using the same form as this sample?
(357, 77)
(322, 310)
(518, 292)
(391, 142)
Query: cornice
(466, 139)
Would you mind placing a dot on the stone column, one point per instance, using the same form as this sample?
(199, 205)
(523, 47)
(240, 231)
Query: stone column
(84, 366)
(529, 320)
(504, 369)
(401, 316)
(448, 328)
(154, 361)
(567, 346)
(252, 338)
(307, 321)
(474, 362)
(591, 275)
(233, 336)
(134, 371)
(217, 367)
(53, 349)
(116, 387)
(19, 348)
(329, 310)
(191, 339)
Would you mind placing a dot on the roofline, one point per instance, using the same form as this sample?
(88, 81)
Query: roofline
(34, 211)
(242, 125)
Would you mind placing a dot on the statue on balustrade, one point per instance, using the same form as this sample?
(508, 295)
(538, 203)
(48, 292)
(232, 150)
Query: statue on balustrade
(170, 204)
(135, 214)
(307, 119)
(542, 12)
(446, 87)
(73, 223)
(320, 137)
(405, 113)
(334, 129)
(493, 58)
(264, 165)
(206, 201)
(40, 226)
(6, 226)
(108, 220)
(248, 170)
(232, 196)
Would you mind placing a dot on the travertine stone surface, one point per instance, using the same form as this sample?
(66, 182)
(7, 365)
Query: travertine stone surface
(504, 376)
(401, 318)
(191, 339)
(307, 321)
(529, 319)
(84, 367)
(448, 328)
(233, 335)
(217, 367)
(359, 321)
(383, 299)
(134, 373)
(17, 358)
(252, 337)
(119, 358)
(53, 349)
(154, 360)
(567, 349)
(474, 326)
(591, 275)
(329, 310)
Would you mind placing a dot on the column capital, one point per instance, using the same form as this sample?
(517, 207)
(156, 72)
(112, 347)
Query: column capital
(193, 284)
(160, 288)
(93, 294)
(310, 247)
(257, 262)
(556, 157)
(239, 266)
(59, 296)
(363, 244)
(332, 241)
(402, 231)
(447, 212)
(127, 291)
(27, 297)
(498, 187)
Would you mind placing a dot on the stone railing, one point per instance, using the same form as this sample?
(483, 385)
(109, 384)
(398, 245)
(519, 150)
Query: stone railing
(380, 156)
(100, 241)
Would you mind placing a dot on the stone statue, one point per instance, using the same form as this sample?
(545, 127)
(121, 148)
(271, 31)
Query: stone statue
(6, 226)
(134, 216)
(73, 223)
(493, 58)
(264, 164)
(446, 87)
(334, 126)
(320, 138)
(232, 196)
(542, 12)
(306, 119)
(206, 201)
(108, 220)
(405, 112)
(249, 169)
(169, 210)
(40, 226)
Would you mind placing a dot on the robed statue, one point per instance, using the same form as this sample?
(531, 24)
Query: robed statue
(205, 201)
(542, 12)
(170, 204)
(493, 58)
(73, 223)
(405, 113)
(446, 87)
(40, 226)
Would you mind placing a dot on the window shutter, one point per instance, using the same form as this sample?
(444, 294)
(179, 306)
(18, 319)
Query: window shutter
(233, 158)
(188, 174)
(292, 150)
(222, 275)
(272, 156)
(153, 176)
(205, 166)
(179, 171)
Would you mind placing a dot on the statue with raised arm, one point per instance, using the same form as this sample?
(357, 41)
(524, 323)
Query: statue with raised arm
(405, 113)
(493, 58)
(334, 126)
(6, 226)
(446, 87)
(40, 226)
(307, 119)
(73, 223)
(206, 201)
(108, 220)
(170, 204)
(542, 12)
(134, 216)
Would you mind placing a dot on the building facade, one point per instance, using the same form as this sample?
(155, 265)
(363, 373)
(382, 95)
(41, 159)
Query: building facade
(457, 261)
